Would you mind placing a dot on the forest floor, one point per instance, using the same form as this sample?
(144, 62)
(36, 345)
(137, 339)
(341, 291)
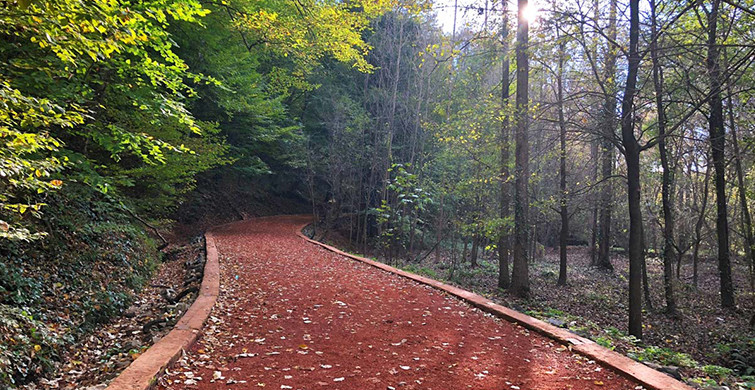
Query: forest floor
(110, 347)
(101, 348)
(710, 346)
(292, 315)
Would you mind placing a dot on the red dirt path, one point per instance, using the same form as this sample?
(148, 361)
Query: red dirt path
(292, 315)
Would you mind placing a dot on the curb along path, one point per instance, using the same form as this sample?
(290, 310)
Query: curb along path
(142, 373)
(643, 374)
(293, 315)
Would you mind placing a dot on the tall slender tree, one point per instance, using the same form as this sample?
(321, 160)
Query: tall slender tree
(667, 180)
(563, 209)
(632, 157)
(746, 216)
(608, 126)
(717, 136)
(594, 151)
(520, 277)
(504, 239)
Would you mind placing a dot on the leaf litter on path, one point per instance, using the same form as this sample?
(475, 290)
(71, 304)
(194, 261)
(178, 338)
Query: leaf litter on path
(380, 331)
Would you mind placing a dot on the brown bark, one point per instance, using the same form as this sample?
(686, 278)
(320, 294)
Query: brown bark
(475, 251)
(520, 277)
(564, 233)
(699, 227)
(594, 218)
(439, 229)
(607, 160)
(632, 158)
(667, 175)
(746, 217)
(504, 239)
(718, 142)
(594, 148)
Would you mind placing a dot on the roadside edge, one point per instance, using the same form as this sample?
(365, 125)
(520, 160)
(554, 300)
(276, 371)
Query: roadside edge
(625, 366)
(143, 372)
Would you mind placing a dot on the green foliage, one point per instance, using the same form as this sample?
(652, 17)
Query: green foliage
(739, 356)
(26, 159)
(465, 127)
(90, 81)
(717, 372)
(551, 312)
(155, 188)
(468, 276)
(308, 30)
(400, 215)
(666, 356)
(425, 271)
(102, 86)
(261, 136)
(95, 257)
(704, 382)
(27, 346)
(605, 342)
(101, 117)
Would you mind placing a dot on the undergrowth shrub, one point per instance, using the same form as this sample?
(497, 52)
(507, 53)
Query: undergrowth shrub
(666, 356)
(55, 290)
(420, 270)
(27, 346)
(739, 355)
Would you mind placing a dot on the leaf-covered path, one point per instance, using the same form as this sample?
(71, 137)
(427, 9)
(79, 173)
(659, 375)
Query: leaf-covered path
(292, 315)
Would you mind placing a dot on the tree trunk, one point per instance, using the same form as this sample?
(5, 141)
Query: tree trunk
(453, 245)
(646, 286)
(632, 157)
(392, 111)
(699, 227)
(564, 234)
(475, 250)
(645, 281)
(464, 250)
(746, 217)
(668, 174)
(718, 141)
(453, 254)
(504, 241)
(607, 160)
(439, 229)
(594, 219)
(520, 278)
(412, 233)
(594, 149)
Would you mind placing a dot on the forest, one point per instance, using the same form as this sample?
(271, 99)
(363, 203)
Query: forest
(588, 162)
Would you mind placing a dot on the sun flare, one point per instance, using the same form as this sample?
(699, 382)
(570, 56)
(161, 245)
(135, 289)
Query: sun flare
(530, 13)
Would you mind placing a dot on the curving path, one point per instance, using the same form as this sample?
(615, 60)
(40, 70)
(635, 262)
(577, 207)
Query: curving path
(291, 315)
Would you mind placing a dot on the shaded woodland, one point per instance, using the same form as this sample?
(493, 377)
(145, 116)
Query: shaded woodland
(534, 151)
